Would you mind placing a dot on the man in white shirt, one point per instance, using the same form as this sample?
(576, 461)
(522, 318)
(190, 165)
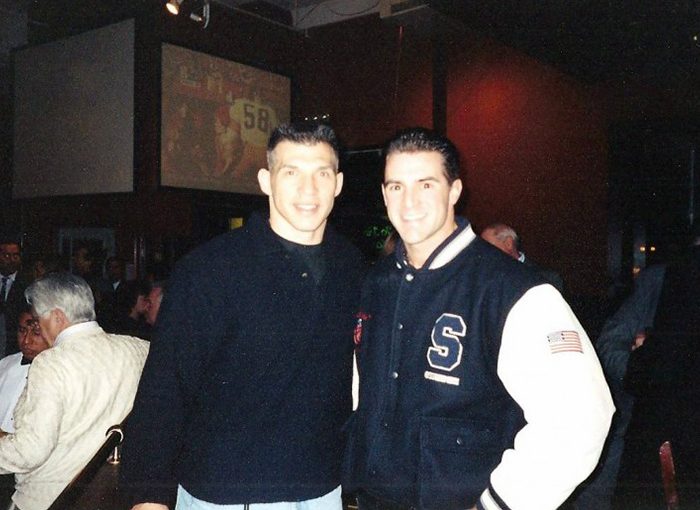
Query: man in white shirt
(14, 368)
(13, 378)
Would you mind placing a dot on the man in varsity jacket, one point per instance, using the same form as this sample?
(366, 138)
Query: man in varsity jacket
(478, 386)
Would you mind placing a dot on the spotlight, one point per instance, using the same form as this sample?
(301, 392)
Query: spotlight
(173, 6)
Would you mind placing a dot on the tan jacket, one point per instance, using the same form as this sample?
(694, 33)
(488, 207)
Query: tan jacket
(75, 391)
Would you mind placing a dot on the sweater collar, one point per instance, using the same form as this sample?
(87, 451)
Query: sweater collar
(259, 225)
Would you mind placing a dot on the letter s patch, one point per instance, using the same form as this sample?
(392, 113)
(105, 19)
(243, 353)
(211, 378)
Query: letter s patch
(446, 352)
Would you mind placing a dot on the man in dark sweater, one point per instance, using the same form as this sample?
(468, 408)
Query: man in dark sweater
(248, 381)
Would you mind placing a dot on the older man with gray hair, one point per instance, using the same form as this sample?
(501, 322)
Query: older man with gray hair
(505, 238)
(75, 391)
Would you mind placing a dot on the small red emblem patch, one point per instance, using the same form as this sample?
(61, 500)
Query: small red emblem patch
(360, 318)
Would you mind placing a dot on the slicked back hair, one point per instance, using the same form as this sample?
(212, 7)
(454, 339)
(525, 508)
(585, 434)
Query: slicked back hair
(305, 133)
(64, 291)
(426, 140)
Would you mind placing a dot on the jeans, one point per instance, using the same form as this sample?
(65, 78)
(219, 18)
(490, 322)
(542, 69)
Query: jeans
(330, 501)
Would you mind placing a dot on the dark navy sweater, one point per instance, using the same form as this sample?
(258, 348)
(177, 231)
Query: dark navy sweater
(248, 379)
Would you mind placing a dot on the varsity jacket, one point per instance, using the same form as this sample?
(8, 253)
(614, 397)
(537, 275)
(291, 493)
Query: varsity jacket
(477, 384)
(248, 382)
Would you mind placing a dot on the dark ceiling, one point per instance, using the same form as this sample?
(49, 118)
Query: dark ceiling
(593, 40)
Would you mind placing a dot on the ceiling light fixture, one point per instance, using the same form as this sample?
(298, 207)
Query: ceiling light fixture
(173, 6)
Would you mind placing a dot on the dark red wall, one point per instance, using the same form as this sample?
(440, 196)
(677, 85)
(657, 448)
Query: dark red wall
(532, 139)
(534, 146)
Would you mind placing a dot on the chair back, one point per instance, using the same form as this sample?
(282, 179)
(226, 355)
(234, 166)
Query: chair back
(668, 476)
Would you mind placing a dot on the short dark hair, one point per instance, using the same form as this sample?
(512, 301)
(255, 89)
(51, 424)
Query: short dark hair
(420, 139)
(304, 132)
(51, 261)
(10, 239)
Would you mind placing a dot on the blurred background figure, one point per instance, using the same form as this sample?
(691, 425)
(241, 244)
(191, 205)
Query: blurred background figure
(82, 263)
(115, 272)
(110, 307)
(505, 238)
(624, 332)
(131, 306)
(12, 285)
(13, 378)
(155, 298)
(650, 351)
(46, 263)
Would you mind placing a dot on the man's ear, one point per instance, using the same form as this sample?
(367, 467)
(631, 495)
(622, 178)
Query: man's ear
(338, 183)
(264, 181)
(59, 317)
(512, 245)
(455, 191)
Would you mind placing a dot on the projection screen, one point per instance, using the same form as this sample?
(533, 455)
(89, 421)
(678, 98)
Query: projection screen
(73, 120)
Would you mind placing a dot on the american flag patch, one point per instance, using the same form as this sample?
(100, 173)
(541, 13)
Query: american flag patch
(564, 341)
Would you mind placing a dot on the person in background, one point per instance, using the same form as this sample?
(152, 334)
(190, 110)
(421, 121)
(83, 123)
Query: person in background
(155, 298)
(505, 238)
(130, 310)
(44, 264)
(650, 353)
(82, 263)
(13, 378)
(478, 386)
(15, 367)
(109, 304)
(249, 379)
(76, 389)
(12, 285)
(115, 272)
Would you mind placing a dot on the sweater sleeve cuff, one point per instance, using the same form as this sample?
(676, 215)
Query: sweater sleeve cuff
(133, 495)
